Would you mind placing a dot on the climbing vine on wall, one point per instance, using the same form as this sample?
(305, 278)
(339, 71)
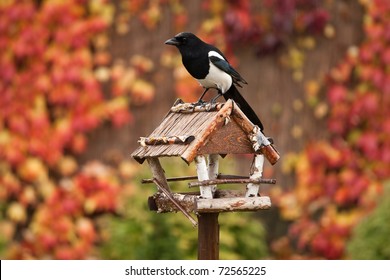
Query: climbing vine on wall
(50, 99)
(339, 181)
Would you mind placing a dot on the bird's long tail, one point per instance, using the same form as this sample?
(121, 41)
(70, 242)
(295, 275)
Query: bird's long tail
(234, 94)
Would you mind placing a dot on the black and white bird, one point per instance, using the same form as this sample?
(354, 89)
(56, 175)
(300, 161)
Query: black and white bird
(210, 67)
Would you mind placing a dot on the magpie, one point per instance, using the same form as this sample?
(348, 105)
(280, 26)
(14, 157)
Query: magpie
(211, 69)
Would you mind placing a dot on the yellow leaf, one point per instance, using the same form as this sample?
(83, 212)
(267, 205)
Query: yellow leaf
(16, 212)
(32, 170)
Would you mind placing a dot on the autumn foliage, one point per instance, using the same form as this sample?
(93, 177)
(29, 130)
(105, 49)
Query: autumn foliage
(50, 99)
(339, 181)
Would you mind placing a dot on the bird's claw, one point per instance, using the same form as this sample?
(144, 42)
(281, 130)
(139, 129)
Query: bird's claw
(214, 100)
(200, 102)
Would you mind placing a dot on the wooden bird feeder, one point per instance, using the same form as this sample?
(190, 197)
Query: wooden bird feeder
(201, 134)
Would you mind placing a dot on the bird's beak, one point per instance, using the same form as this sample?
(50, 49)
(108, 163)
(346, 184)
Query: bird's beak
(172, 41)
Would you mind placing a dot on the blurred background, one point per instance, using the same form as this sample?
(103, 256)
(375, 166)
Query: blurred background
(82, 80)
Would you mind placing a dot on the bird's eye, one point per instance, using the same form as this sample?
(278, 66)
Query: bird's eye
(183, 40)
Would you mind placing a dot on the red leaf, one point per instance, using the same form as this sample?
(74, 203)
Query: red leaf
(337, 93)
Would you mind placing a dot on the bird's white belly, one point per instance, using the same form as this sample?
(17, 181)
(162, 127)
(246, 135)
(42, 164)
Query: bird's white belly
(216, 79)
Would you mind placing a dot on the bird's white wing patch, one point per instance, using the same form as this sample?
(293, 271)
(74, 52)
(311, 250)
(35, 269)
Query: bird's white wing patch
(216, 78)
(214, 53)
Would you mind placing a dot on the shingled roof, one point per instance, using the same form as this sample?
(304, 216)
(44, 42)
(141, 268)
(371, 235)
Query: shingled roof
(188, 131)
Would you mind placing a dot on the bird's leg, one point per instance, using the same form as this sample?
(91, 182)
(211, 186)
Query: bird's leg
(216, 97)
(200, 101)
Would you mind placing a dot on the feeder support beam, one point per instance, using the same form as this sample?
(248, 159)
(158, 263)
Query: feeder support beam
(202, 170)
(252, 189)
(213, 169)
(158, 172)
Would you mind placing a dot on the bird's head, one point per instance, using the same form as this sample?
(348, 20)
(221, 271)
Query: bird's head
(183, 40)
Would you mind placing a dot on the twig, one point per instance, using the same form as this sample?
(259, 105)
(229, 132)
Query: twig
(169, 196)
(230, 181)
(187, 178)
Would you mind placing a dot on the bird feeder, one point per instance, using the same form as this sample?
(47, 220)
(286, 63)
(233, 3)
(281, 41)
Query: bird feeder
(202, 134)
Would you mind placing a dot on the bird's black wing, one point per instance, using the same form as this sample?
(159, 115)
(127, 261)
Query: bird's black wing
(227, 68)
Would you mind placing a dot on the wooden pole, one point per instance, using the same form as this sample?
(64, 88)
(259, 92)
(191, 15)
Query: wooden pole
(252, 189)
(208, 236)
(158, 172)
(212, 168)
(208, 227)
(201, 169)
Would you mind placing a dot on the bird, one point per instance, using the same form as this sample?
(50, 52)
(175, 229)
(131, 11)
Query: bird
(207, 64)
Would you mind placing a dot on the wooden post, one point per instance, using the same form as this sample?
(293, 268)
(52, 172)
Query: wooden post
(252, 189)
(208, 227)
(213, 166)
(208, 236)
(201, 169)
(158, 172)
